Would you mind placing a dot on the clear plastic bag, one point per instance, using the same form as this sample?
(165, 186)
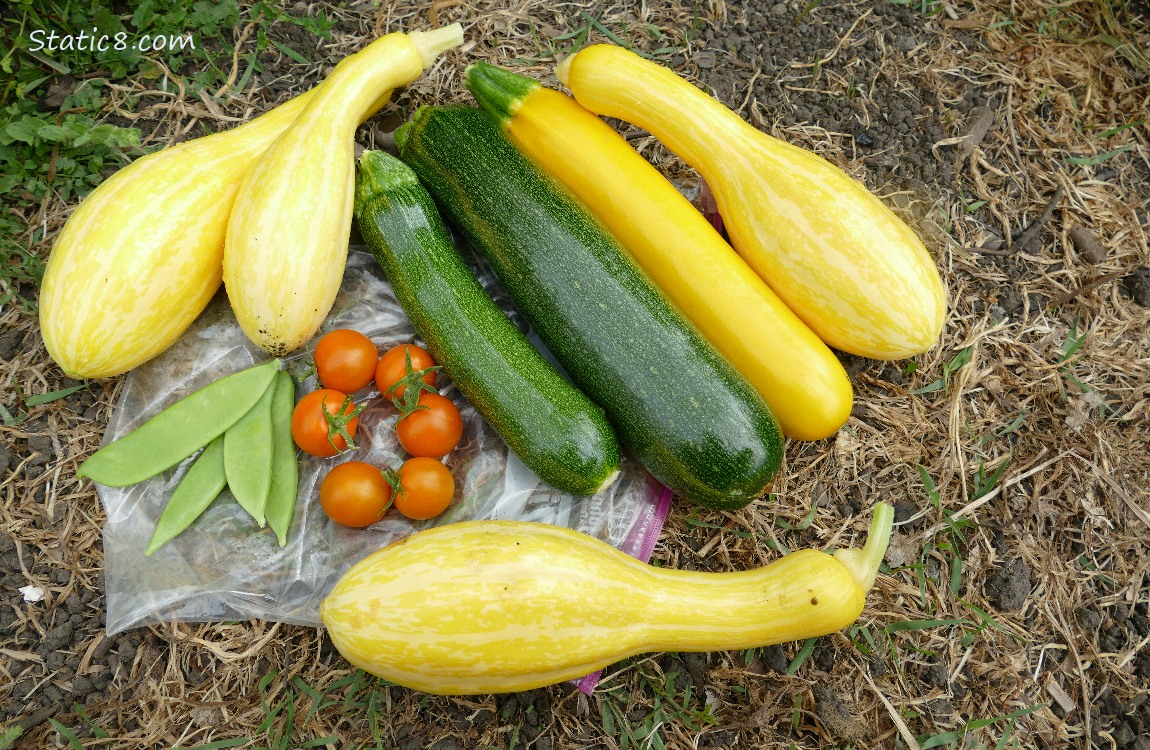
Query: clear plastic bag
(226, 568)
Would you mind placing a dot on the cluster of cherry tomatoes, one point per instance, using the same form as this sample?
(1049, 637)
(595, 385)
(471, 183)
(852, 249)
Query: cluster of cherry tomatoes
(356, 493)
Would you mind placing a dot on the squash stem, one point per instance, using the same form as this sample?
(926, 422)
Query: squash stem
(430, 44)
(499, 92)
(864, 563)
(563, 69)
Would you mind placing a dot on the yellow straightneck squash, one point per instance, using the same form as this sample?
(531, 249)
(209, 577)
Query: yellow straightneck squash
(288, 235)
(796, 374)
(840, 259)
(141, 256)
(502, 606)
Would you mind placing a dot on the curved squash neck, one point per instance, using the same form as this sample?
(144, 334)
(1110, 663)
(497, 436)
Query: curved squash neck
(600, 78)
(361, 84)
(801, 595)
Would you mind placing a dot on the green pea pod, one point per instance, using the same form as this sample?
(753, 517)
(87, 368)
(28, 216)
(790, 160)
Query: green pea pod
(195, 492)
(180, 430)
(285, 469)
(248, 456)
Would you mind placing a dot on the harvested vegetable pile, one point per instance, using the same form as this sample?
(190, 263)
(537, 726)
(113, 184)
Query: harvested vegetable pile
(1013, 610)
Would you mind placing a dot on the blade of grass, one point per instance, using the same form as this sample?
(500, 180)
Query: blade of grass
(984, 483)
(46, 398)
(955, 575)
(218, 744)
(1089, 161)
(801, 525)
(1119, 129)
(898, 627)
(67, 734)
(96, 729)
(803, 654)
(611, 35)
(289, 52)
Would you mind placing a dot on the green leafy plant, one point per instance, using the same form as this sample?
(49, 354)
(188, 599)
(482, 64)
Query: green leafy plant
(56, 143)
(956, 363)
(668, 705)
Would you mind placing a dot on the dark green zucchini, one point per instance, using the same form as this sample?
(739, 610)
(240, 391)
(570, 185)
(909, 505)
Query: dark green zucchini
(556, 430)
(685, 414)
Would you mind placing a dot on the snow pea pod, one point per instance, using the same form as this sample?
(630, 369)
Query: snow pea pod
(285, 469)
(180, 430)
(195, 492)
(248, 456)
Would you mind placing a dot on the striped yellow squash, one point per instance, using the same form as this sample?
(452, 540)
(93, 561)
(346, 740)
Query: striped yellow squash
(287, 239)
(840, 259)
(141, 256)
(795, 373)
(502, 606)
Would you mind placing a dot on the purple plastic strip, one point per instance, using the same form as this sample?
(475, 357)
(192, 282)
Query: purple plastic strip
(640, 543)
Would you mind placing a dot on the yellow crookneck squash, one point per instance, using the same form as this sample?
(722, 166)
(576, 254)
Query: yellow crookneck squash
(795, 373)
(503, 606)
(287, 238)
(141, 256)
(836, 255)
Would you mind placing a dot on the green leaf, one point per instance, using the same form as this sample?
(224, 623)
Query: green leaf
(1086, 161)
(289, 52)
(9, 736)
(898, 627)
(219, 744)
(803, 654)
(45, 398)
(67, 734)
(23, 130)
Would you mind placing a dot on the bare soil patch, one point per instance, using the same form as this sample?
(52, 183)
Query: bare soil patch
(1014, 610)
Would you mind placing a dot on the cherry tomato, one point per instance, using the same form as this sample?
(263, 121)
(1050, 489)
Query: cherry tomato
(432, 431)
(425, 488)
(392, 368)
(355, 494)
(345, 360)
(313, 432)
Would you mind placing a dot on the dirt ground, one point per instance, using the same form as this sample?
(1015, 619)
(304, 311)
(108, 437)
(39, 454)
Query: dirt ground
(1014, 610)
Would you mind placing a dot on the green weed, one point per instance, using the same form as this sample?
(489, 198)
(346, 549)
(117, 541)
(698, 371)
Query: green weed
(801, 657)
(667, 705)
(985, 620)
(984, 482)
(9, 735)
(280, 717)
(956, 363)
(925, 7)
(1115, 130)
(61, 56)
(1066, 361)
(958, 737)
(1088, 161)
(949, 543)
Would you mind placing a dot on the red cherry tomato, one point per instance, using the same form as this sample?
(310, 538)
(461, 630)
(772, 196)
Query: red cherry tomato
(355, 494)
(319, 435)
(392, 368)
(426, 488)
(345, 360)
(433, 430)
